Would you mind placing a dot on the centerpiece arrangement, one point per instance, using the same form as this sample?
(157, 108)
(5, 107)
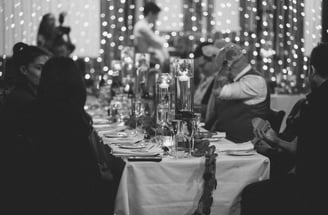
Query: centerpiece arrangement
(160, 104)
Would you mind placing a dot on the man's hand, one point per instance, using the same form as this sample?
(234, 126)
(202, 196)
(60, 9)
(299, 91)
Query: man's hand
(268, 135)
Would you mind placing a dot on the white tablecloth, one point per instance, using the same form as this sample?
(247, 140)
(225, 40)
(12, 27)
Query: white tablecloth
(174, 186)
(285, 103)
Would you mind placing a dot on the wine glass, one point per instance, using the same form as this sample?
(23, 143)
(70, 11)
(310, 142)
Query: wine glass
(138, 111)
(197, 121)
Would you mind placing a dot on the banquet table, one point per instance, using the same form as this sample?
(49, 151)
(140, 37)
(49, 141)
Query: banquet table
(174, 186)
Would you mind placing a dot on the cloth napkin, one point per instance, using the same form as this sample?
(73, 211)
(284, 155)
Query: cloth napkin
(149, 150)
(224, 145)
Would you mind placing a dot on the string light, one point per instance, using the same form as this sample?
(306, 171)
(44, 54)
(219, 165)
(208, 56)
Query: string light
(269, 33)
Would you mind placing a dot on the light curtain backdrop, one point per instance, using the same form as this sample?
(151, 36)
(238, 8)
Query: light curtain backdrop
(19, 21)
(312, 24)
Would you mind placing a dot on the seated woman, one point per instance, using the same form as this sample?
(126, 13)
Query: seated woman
(27, 62)
(26, 66)
(66, 173)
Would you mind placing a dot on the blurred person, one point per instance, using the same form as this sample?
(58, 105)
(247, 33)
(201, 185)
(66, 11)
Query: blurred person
(276, 146)
(47, 31)
(207, 67)
(301, 191)
(63, 172)
(239, 94)
(62, 48)
(145, 40)
(63, 40)
(27, 63)
(183, 47)
(55, 38)
(68, 172)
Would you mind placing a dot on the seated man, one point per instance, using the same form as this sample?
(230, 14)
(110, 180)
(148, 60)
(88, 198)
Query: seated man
(302, 191)
(276, 146)
(232, 106)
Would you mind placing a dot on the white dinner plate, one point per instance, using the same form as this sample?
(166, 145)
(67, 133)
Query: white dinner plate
(131, 147)
(100, 121)
(241, 153)
(115, 134)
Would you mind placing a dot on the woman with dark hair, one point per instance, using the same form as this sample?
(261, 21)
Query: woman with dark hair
(27, 62)
(66, 173)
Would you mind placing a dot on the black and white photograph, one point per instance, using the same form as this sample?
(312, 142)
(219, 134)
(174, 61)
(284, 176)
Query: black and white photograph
(163, 107)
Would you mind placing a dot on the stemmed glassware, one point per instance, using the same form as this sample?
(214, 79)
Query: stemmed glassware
(197, 121)
(139, 111)
(184, 75)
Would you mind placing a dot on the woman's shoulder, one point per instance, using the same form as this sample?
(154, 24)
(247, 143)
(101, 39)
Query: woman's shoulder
(20, 95)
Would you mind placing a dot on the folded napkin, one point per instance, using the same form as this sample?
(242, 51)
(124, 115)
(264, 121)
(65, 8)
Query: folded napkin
(109, 127)
(216, 136)
(146, 151)
(224, 145)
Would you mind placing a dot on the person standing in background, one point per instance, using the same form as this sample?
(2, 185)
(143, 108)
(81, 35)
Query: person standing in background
(47, 32)
(145, 40)
(55, 39)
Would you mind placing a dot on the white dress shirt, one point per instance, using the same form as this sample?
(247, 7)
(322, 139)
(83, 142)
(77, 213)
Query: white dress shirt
(250, 87)
(147, 41)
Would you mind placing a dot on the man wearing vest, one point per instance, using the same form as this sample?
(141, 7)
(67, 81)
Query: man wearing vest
(232, 106)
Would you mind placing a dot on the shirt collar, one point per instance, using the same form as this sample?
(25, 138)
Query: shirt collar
(243, 72)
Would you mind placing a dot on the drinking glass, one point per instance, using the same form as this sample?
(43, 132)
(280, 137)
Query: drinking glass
(197, 121)
(139, 111)
(183, 144)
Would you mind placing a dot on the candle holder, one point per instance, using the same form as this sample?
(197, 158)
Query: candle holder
(116, 76)
(163, 104)
(184, 87)
(127, 60)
